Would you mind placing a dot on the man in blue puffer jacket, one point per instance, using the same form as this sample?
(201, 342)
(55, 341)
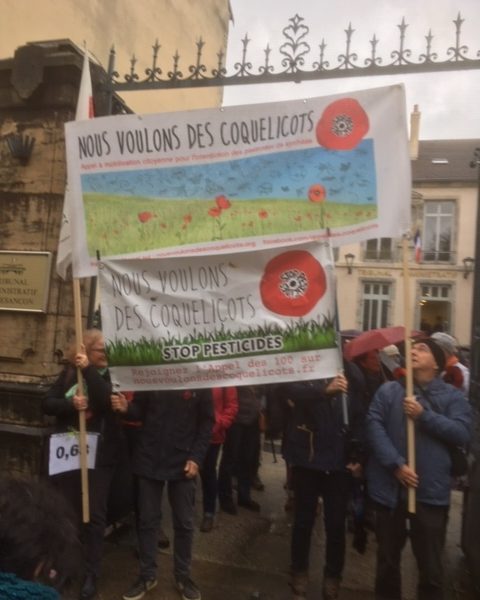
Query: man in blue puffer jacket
(442, 417)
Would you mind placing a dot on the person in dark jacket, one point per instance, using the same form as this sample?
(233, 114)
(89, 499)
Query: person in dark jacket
(171, 447)
(317, 448)
(373, 377)
(442, 417)
(225, 405)
(239, 456)
(64, 402)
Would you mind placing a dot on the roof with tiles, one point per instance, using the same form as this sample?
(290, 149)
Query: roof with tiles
(445, 161)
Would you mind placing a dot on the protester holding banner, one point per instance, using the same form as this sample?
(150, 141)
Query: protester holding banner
(442, 419)
(38, 541)
(173, 441)
(373, 376)
(317, 448)
(225, 405)
(64, 403)
(132, 432)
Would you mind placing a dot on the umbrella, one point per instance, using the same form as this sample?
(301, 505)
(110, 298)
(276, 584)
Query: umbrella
(375, 339)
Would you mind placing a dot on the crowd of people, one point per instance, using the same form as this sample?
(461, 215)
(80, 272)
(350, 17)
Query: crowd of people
(343, 441)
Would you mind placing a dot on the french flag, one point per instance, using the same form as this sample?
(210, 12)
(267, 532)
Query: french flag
(417, 242)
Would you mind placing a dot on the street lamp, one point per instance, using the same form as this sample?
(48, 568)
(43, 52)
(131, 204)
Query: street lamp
(349, 258)
(468, 263)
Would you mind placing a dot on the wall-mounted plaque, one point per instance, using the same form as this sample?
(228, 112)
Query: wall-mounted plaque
(24, 280)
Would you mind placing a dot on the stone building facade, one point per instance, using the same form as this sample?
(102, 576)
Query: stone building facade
(40, 100)
(444, 212)
(38, 94)
(132, 28)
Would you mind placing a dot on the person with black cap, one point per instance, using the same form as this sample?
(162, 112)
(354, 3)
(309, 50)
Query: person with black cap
(442, 418)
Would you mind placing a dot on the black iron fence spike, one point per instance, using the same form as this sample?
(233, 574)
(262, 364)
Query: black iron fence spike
(294, 52)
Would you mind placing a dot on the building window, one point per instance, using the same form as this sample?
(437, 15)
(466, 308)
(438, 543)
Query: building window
(379, 249)
(375, 304)
(435, 307)
(438, 227)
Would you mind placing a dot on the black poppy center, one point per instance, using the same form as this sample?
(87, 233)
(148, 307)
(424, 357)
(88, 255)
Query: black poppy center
(293, 283)
(342, 125)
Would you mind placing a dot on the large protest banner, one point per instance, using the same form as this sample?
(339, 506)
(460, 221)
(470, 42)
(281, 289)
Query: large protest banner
(230, 319)
(239, 178)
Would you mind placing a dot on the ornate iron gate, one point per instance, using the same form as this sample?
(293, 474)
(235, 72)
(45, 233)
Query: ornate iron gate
(295, 52)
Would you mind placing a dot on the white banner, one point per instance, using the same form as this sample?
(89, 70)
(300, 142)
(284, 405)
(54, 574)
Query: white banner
(239, 178)
(64, 452)
(84, 111)
(233, 319)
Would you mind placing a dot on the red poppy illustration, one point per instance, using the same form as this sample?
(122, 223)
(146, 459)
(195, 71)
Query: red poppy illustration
(218, 224)
(293, 283)
(215, 212)
(317, 193)
(263, 214)
(342, 125)
(187, 219)
(144, 216)
(223, 202)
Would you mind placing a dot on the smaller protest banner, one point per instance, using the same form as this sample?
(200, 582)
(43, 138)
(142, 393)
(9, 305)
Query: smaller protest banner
(233, 319)
(64, 452)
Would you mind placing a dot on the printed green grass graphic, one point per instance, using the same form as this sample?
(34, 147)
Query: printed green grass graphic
(123, 225)
(297, 337)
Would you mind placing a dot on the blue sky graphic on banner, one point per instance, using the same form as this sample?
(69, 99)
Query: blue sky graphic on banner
(348, 176)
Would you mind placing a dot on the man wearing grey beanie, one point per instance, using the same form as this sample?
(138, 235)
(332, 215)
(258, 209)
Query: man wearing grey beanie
(442, 418)
(454, 372)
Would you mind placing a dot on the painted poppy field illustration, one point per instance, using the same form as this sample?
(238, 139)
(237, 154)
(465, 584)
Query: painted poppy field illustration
(239, 178)
(299, 191)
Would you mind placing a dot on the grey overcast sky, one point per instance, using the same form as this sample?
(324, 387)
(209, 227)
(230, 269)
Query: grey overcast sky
(449, 102)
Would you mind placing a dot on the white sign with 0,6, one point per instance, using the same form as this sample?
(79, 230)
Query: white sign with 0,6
(64, 452)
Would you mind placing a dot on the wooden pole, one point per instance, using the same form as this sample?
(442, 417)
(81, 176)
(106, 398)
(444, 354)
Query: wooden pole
(408, 365)
(82, 425)
(344, 397)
